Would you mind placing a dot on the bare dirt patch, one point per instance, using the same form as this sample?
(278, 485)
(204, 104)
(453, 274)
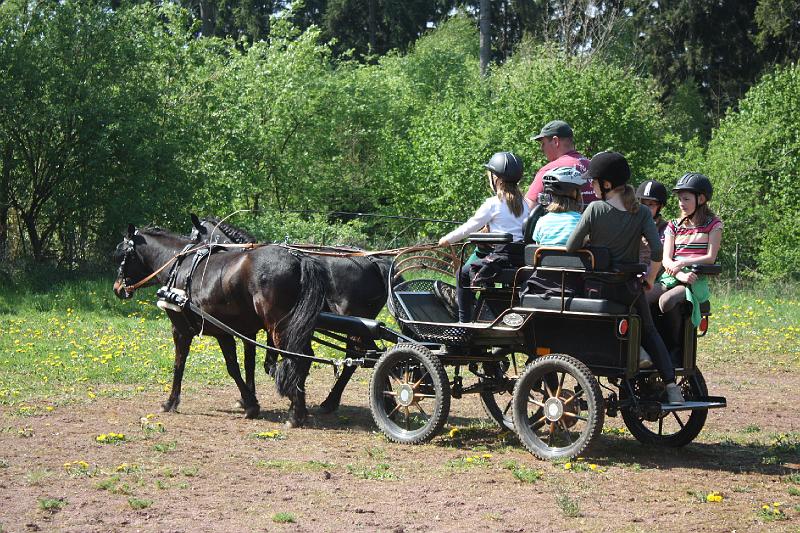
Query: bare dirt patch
(210, 469)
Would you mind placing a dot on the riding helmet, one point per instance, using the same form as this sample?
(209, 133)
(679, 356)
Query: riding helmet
(611, 167)
(563, 181)
(696, 183)
(506, 166)
(652, 190)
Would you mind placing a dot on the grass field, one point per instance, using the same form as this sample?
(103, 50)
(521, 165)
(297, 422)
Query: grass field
(74, 340)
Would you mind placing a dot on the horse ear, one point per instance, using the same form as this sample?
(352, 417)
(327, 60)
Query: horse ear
(131, 231)
(195, 221)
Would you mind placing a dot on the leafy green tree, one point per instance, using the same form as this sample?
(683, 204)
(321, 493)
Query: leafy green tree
(778, 34)
(753, 161)
(83, 121)
(707, 41)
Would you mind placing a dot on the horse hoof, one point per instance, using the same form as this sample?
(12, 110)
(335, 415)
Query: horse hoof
(252, 412)
(238, 404)
(293, 423)
(326, 408)
(168, 408)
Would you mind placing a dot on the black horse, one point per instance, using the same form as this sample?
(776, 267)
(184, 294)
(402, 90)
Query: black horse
(266, 287)
(355, 285)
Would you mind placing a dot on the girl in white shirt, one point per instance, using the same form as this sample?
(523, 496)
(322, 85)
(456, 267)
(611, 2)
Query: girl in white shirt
(504, 212)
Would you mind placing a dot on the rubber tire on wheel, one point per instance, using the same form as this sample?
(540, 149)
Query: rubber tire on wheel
(501, 412)
(693, 388)
(436, 387)
(533, 376)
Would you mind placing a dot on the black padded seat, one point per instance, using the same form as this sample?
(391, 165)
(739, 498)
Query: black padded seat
(507, 276)
(577, 305)
(705, 307)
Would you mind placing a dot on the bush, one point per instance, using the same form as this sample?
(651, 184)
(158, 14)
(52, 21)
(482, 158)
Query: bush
(753, 161)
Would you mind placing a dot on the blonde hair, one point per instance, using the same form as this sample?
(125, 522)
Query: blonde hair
(510, 194)
(563, 204)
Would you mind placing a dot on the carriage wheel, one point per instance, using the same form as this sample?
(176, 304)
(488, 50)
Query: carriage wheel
(409, 394)
(499, 391)
(671, 428)
(558, 407)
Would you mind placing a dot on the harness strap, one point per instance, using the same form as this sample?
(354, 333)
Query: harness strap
(183, 253)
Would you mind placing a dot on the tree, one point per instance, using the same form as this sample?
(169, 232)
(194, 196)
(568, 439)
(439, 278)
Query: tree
(778, 34)
(81, 119)
(708, 41)
(753, 161)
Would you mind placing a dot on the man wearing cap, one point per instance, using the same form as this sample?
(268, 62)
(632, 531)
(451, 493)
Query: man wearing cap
(558, 147)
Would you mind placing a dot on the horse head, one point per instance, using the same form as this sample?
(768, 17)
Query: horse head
(213, 230)
(130, 266)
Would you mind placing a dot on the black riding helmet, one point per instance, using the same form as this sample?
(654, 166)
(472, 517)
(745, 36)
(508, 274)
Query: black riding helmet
(611, 167)
(506, 166)
(652, 190)
(696, 183)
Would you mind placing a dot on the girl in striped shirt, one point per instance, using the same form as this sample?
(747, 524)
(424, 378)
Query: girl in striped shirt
(694, 238)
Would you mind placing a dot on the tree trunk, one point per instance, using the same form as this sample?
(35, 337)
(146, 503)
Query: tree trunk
(37, 247)
(373, 25)
(486, 36)
(209, 17)
(5, 180)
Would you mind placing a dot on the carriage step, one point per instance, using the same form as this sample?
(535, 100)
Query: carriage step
(706, 402)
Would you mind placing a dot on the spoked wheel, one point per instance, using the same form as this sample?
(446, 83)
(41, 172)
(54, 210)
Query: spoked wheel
(409, 394)
(498, 393)
(558, 407)
(651, 425)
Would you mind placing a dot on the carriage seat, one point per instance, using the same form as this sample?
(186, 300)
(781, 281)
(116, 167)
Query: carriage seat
(573, 304)
(506, 276)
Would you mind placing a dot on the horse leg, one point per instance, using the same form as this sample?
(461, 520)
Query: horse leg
(228, 346)
(290, 379)
(183, 342)
(334, 398)
(249, 369)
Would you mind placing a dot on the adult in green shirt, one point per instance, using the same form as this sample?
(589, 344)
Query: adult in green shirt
(618, 223)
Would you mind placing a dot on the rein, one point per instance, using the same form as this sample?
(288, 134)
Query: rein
(316, 249)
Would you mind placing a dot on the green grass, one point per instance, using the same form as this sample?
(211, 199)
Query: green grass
(139, 503)
(569, 506)
(283, 518)
(66, 338)
(52, 504)
(378, 472)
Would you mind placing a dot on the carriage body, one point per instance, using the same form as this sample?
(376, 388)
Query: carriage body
(543, 355)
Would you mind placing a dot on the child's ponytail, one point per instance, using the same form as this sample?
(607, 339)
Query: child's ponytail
(509, 193)
(629, 200)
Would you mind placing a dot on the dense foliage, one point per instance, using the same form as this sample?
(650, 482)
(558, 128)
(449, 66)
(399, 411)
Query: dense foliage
(130, 114)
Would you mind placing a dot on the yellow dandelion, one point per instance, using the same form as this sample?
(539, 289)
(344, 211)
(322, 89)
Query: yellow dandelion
(453, 433)
(469, 459)
(593, 466)
(487, 456)
(567, 466)
(765, 507)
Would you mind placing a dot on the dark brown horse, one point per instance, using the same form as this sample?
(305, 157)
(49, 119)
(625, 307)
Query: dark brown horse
(266, 287)
(355, 285)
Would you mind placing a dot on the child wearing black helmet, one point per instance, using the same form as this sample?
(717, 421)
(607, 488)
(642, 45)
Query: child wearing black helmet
(618, 223)
(694, 238)
(653, 195)
(504, 212)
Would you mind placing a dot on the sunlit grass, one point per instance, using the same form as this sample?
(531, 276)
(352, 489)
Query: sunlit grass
(70, 341)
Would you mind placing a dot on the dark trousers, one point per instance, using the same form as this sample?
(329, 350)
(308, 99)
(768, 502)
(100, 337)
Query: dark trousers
(632, 292)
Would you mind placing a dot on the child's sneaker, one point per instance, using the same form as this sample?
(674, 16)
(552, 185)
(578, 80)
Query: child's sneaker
(645, 361)
(674, 395)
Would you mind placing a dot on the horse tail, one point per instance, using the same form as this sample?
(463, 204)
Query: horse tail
(298, 328)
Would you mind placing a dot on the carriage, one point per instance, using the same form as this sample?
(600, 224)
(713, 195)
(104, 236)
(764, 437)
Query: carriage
(537, 360)
(548, 365)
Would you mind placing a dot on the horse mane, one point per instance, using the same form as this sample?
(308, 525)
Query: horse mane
(237, 235)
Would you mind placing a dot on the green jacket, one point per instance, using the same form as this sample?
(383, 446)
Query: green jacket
(696, 293)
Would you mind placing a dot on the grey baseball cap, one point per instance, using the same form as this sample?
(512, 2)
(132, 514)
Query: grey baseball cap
(555, 128)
